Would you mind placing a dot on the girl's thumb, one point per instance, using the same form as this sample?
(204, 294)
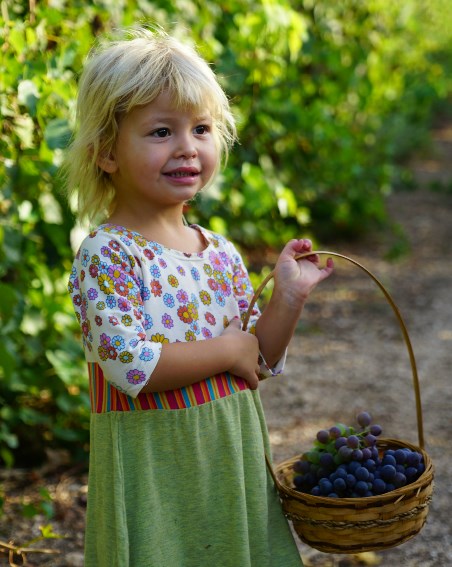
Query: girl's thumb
(235, 321)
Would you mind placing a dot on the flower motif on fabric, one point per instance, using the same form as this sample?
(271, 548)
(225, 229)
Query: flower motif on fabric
(106, 284)
(210, 318)
(136, 376)
(167, 321)
(124, 305)
(146, 354)
(92, 294)
(182, 296)
(148, 323)
(159, 338)
(190, 336)
(168, 300)
(206, 333)
(155, 271)
(126, 357)
(156, 288)
(118, 342)
(85, 257)
(205, 297)
(188, 313)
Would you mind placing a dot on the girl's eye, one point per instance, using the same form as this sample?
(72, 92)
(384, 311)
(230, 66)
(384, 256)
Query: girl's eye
(201, 129)
(160, 133)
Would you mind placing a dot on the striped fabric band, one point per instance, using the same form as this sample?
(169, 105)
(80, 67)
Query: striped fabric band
(105, 397)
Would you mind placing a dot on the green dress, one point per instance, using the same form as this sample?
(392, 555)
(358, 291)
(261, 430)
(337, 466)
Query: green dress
(177, 478)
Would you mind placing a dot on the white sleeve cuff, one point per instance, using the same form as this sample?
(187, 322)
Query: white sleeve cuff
(266, 371)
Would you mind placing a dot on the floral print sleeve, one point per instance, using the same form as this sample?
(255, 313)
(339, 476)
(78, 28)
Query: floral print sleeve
(107, 294)
(131, 295)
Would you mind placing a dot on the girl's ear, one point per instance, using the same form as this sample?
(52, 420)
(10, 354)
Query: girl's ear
(107, 163)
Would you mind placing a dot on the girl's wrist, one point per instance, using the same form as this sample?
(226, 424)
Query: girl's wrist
(285, 300)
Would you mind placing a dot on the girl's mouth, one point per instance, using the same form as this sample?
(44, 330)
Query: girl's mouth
(181, 172)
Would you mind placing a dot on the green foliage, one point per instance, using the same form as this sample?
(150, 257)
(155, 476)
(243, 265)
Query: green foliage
(329, 96)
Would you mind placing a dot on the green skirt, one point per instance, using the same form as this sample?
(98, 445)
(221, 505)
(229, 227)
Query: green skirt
(185, 488)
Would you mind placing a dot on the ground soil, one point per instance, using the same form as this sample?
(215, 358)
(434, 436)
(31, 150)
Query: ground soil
(348, 355)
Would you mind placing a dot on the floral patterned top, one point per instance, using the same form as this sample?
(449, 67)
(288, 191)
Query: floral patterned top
(131, 295)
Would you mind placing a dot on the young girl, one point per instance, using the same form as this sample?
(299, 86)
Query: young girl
(178, 438)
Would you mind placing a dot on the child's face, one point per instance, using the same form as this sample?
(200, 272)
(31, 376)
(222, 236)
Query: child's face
(163, 156)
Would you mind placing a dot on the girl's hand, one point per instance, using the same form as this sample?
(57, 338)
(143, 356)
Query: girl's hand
(295, 279)
(245, 352)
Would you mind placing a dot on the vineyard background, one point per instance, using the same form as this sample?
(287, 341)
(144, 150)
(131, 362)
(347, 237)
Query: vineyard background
(345, 137)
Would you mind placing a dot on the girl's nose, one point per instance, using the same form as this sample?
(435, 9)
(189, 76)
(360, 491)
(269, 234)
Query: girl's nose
(186, 147)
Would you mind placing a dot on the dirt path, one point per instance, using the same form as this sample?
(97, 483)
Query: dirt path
(350, 355)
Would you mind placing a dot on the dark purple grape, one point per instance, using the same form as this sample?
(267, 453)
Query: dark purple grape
(334, 432)
(388, 473)
(345, 453)
(301, 466)
(339, 485)
(357, 455)
(411, 474)
(370, 440)
(350, 480)
(374, 454)
(364, 419)
(333, 495)
(327, 460)
(341, 471)
(362, 473)
(413, 459)
(399, 480)
(379, 486)
(400, 456)
(353, 441)
(370, 465)
(361, 487)
(353, 466)
(375, 430)
(315, 491)
(389, 460)
(323, 436)
(367, 453)
(340, 442)
(325, 487)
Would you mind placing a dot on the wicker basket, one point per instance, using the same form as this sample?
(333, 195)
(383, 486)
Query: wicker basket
(354, 525)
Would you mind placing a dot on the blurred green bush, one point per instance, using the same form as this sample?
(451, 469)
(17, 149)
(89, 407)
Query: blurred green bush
(329, 97)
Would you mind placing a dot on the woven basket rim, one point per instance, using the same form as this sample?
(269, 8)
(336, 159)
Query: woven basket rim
(395, 495)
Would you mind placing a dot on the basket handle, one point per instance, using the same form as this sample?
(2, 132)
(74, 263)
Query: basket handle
(403, 328)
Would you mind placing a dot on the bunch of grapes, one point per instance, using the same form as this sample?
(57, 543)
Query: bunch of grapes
(346, 463)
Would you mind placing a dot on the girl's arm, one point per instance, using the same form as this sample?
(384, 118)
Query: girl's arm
(294, 281)
(181, 364)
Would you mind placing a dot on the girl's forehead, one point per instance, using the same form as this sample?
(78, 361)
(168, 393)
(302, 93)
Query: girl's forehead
(166, 106)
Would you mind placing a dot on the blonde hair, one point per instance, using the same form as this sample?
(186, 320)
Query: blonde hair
(120, 75)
